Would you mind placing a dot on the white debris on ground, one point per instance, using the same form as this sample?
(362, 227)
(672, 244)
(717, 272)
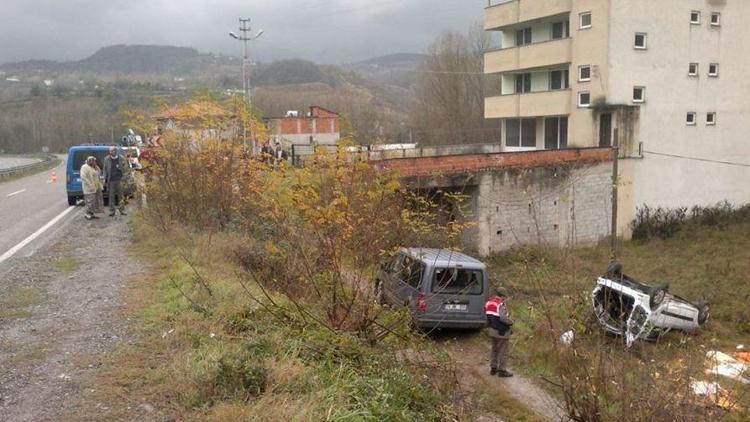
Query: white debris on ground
(725, 365)
(567, 337)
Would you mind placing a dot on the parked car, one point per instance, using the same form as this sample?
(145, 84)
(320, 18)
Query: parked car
(441, 288)
(76, 157)
(624, 306)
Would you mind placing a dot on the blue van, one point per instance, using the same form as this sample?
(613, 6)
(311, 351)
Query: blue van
(76, 157)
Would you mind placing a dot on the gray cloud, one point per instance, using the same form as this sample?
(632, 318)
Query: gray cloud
(327, 31)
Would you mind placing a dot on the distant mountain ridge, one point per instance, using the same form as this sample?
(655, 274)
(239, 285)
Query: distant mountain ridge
(128, 59)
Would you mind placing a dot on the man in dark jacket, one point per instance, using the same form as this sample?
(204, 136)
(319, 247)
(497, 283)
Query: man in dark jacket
(114, 172)
(499, 328)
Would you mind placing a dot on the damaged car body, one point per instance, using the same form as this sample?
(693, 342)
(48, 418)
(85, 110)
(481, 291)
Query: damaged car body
(627, 307)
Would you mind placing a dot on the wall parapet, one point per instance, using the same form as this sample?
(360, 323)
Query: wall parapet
(446, 165)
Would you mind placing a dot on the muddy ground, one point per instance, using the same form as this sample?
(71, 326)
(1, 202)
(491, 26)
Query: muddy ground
(59, 317)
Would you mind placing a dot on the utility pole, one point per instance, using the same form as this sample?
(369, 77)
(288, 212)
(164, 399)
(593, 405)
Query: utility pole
(245, 36)
(615, 176)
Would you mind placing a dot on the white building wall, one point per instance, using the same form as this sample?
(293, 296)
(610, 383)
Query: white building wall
(541, 31)
(670, 93)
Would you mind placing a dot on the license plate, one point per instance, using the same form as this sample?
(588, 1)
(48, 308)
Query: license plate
(78, 179)
(459, 307)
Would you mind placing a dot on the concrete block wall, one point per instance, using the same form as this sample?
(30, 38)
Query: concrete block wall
(552, 206)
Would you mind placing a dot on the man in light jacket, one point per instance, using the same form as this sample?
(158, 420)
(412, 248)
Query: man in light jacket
(90, 183)
(500, 328)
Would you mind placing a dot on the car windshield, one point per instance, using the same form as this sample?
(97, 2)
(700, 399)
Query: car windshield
(80, 157)
(457, 280)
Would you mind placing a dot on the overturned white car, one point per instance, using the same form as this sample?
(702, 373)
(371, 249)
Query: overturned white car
(627, 307)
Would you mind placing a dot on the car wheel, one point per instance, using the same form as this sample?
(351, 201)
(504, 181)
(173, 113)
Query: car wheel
(72, 200)
(658, 294)
(614, 270)
(704, 312)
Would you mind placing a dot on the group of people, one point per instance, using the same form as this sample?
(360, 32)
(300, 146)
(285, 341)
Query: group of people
(95, 177)
(273, 155)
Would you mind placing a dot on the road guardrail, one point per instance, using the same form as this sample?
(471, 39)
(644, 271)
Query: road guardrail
(48, 162)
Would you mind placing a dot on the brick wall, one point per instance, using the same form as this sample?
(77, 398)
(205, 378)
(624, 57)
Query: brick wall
(472, 163)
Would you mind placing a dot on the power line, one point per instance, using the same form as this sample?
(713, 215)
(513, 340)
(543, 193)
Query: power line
(705, 160)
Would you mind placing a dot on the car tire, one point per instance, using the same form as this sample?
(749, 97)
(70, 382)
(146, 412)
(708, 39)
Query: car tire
(704, 312)
(72, 200)
(657, 295)
(614, 270)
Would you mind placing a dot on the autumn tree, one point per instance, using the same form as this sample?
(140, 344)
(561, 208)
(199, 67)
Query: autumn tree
(450, 91)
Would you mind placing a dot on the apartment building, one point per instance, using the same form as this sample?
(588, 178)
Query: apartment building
(665, 79)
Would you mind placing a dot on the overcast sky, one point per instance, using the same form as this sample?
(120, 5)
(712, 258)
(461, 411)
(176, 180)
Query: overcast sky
(326, 31)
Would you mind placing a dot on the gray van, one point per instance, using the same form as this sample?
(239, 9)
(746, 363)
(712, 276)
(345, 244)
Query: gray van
(441, 288)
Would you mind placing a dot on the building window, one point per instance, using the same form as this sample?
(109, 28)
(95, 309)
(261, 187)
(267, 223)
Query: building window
(560, 30)
(640, 41)
(523, 36)
(715, 19)
(693, 69)
(584, 99)
(639, 94)
(520, 133)
(584, 73)
(523, 83)
(584, 20)
(558, 79)
(713, 70)
(556, 132)
(695, 17)
(690, 119)
(710, 118)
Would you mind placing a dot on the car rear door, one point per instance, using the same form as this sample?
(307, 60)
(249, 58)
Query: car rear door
(76, 159)
(457, 293)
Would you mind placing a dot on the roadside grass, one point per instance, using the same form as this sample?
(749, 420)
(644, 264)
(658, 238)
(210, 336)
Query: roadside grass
(67, 264)
(220, 356)
(552, 288)
(16, 301)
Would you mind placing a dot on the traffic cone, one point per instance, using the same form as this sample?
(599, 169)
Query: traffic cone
(54, 175)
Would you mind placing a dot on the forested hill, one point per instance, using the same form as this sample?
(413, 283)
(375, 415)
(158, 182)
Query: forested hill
(130, 59)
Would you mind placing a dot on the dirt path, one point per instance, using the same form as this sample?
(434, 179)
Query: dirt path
(471, 353)
(58, 317)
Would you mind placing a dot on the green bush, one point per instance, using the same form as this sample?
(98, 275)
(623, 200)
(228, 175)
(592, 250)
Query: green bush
(226, 371)
(662, 223)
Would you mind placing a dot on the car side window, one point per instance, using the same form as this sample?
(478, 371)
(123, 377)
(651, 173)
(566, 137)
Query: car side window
(415, 271)
(396, 263)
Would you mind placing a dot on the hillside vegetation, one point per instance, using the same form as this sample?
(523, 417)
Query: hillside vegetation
(600, 379)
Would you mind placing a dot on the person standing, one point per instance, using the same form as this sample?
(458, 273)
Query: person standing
(99, 198)
(90, 183)
(279, 155)
(114, 172)
(500, 328)
(266, 152)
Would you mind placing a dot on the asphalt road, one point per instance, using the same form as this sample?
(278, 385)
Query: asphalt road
(7, 161)
(28, 205)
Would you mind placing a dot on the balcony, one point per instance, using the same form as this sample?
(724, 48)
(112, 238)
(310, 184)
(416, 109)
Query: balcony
(533, 104)
(529, 56)
(510, 12)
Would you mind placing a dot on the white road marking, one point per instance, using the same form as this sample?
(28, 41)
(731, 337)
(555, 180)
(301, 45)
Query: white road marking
(16, 192)
(12, 251)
